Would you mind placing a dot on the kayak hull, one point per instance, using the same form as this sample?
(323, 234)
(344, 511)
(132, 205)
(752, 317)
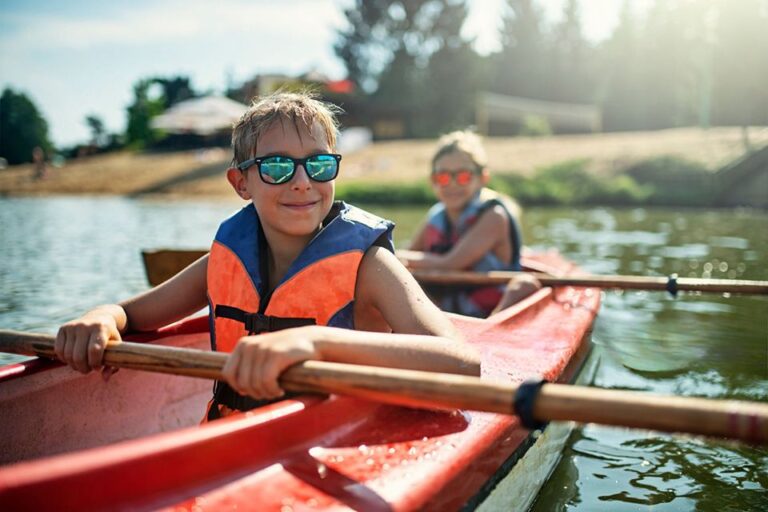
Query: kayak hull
(49, 409)
(330, 453)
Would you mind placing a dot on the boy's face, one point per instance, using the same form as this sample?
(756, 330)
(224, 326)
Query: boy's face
(456, 179)
(297, 207)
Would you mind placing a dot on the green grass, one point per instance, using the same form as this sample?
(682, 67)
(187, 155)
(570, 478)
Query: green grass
(669, 181)
(673, 181)
(385, 193)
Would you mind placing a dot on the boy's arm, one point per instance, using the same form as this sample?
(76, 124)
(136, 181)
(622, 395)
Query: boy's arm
(384, 284)
(180, 296)
(417, 242)
(81, 342)
(487, 233)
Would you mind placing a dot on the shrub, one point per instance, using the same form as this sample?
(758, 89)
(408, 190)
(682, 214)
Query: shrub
(535, 126)
(673, 181)
(385, 193)
(570, 183)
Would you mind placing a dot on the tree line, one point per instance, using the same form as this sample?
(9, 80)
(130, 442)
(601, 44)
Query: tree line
(678, 63)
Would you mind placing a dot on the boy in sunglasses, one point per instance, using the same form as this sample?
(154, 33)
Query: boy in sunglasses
(290, 277)
(471, 228)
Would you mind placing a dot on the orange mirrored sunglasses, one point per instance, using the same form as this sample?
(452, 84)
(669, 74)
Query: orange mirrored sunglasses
(460, 177)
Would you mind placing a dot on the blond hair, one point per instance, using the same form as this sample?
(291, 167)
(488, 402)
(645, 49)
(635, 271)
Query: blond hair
(299, 108)
(462, 141)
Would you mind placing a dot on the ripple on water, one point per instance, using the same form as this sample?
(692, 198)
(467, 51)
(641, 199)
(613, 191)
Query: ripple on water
(732, 242)
(696, 250)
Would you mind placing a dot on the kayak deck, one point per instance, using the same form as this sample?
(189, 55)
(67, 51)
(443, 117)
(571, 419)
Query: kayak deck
(331, 453)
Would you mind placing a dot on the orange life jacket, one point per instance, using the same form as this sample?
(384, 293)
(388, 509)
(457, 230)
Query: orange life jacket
(319, 287)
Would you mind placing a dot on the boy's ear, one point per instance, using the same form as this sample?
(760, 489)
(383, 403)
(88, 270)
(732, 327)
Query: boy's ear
(238, 180)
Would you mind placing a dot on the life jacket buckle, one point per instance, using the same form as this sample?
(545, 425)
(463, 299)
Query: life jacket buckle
(256, 323)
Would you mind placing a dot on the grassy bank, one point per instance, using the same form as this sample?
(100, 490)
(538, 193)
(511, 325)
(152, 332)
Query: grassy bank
(602, 168)
(664, 180)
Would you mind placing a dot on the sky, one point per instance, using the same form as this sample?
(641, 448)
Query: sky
(81, 57)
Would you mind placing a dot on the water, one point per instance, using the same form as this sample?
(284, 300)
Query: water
(61, 256)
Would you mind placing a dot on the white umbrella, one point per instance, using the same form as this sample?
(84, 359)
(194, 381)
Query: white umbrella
(202, 116)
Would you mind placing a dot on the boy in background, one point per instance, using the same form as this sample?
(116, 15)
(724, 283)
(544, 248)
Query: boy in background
(470, 228)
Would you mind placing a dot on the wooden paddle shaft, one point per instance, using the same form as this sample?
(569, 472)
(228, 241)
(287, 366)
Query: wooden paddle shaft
(624, 282)
(721, 418)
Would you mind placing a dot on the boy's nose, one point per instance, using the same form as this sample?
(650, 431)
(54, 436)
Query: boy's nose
(300, 178)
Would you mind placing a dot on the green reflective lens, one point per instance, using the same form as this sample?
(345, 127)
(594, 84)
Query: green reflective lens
(322, 167)
(277, 169)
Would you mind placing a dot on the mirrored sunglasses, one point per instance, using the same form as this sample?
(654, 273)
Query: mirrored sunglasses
(279, 169)
(460, 177)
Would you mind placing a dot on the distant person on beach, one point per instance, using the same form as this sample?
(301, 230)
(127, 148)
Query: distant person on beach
(294, 261)
(470, 228)
(38, 161)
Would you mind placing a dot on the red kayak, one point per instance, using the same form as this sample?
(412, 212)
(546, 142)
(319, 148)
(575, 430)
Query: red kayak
(73, 442)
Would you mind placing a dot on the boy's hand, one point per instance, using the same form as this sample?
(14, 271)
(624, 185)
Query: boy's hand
(81, 342)
(255, 365)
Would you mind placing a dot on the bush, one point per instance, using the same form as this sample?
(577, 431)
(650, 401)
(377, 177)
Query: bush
(385, 193)
(673, 181)
(570, 183)
(657, 181)
(535, 126)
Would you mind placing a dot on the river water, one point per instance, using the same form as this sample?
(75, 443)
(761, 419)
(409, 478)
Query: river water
(61, 256)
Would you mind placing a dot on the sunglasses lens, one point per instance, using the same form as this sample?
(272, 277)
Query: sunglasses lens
(276, 169)
(441, 178)
(322, 167)
(463, 177)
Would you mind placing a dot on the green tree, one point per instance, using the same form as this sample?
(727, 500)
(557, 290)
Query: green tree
(22, 128)
(668, 71)
(740, 67)
(622, 95)
(453, 77)
(96, 126)
(175, 89)
(520, 63)
(388, 50)
(139, 133)
(570, 74)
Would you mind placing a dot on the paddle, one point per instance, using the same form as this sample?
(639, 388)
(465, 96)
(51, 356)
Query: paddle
(163, 264)
(534, 403)
(672, 284)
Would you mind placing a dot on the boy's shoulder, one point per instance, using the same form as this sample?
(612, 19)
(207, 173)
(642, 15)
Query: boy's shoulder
(490, 198)
(352, 213)
(435, 209)
(246, 217)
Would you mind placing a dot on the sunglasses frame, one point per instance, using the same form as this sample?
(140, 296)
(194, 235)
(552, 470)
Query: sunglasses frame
(454, 175)
(244, 166)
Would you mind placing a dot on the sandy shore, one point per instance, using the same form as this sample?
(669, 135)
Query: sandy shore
(201, 173)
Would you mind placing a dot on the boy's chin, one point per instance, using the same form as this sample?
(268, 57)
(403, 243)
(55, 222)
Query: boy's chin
(453, 202)
(301, 228)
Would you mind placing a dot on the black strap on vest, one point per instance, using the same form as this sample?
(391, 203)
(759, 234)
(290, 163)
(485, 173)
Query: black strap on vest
(255, 323)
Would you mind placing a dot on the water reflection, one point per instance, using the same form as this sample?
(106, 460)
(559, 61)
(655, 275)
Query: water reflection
(695, 345)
